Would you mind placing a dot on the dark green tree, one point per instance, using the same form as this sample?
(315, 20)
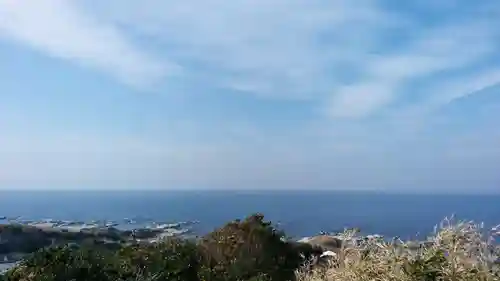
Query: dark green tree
(249, 249)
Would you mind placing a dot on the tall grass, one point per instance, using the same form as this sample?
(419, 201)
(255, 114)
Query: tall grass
(456, 251)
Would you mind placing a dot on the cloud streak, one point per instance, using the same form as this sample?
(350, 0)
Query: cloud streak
(62, 30)
(339, 53)
(273, 49)
(432, 52)
(275, 94)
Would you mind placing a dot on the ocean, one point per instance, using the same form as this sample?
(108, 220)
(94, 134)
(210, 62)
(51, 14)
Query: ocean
(298, 213)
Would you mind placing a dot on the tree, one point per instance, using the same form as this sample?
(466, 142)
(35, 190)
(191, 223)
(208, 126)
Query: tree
(251, 248)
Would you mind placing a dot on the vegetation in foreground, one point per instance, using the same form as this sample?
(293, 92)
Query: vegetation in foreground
(25, 239)
(455, 252)
(253, 250)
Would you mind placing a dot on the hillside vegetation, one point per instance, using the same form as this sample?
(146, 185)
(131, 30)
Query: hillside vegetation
(455, 252)
(253, 250)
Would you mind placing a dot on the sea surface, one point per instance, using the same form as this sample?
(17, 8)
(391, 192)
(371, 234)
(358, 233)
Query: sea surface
(298, 213)
(5, 266)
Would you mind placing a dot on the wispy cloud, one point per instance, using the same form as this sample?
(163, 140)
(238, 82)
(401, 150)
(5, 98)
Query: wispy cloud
(279, 49)
(356, 57)
(459, 88)
(400, 62)
(339, 52)
(435, 51)
(60, 29)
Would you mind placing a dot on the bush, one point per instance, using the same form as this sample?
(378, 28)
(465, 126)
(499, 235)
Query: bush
(252, 248)
(457, 252)
(248, 250)
(29, 239)
(66, 263)
(172, 260)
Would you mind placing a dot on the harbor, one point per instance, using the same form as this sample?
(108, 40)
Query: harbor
(137, 225)
(21, 236)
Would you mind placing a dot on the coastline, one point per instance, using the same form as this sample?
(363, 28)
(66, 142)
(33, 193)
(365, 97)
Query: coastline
(19, 239)
(299, 213)
(127, 231)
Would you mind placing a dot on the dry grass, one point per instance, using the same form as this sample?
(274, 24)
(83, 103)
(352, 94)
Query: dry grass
(455, 252)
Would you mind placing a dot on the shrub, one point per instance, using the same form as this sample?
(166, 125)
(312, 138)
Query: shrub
(65, 263)
(457, 252)
(252, 248)
(172, 260)
(249, 250)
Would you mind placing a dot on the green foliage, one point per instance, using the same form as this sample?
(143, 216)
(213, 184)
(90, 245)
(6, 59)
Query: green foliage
(253, 250)
(171, 260)
(247, 249)
(426, 268)
(66, 263)
(28, 239)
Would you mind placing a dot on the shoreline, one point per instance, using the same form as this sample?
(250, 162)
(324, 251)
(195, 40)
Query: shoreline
(149, 230)
(140, 229)
(18, 239)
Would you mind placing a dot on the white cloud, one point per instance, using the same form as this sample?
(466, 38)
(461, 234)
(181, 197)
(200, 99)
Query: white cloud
(441, 93)
(280, 48)
(60, 29)
(360, 99)
(339, 53)
(433, 51)
(459, 88)
(277, 48)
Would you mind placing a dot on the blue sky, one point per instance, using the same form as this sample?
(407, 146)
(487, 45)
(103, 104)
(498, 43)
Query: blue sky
(273, 94)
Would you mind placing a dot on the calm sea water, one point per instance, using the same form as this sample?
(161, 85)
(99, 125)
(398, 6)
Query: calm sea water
(298, 213)
(5, 266)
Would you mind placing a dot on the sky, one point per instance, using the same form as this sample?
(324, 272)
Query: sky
(264, 94)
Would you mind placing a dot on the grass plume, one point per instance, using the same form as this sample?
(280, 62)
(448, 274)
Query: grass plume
(456, 251)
